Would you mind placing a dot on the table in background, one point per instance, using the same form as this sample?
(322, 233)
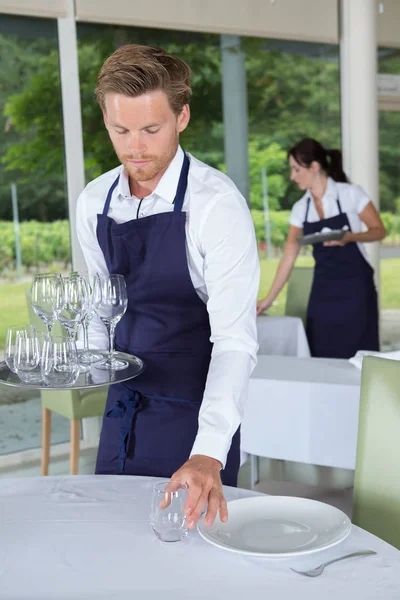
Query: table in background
(89, 538)
(282, 336)
(303, 410)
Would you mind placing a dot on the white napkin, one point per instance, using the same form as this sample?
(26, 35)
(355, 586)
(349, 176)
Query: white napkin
(358, 358)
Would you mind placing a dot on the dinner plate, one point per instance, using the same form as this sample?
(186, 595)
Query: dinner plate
(277, 526)
(321, 236)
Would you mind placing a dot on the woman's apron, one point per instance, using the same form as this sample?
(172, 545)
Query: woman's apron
(150, 423)
(342, 315)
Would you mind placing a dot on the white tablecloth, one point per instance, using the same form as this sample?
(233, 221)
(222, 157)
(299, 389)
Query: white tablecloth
(88, 537)
(303, 410)
(282, 336)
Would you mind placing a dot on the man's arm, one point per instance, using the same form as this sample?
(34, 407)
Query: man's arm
(86, 223)
(231, 274)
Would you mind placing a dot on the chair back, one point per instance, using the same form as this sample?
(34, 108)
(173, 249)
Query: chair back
(298, 292)
(376, 499)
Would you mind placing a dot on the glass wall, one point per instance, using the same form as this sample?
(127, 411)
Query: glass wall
(292, 92)
(32, 164)
(389, 190)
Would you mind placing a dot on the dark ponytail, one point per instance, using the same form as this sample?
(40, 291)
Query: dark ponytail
(335, 166)
(309, 150)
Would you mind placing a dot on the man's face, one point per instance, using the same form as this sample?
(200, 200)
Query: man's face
(144, 132)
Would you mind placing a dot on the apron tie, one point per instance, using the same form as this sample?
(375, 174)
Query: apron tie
(125, 407)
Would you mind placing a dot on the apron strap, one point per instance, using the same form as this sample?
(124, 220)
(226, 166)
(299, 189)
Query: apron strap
(339, 206)
(307, 209)
(109, 196)
(125, 407)
(180, 191)
(182, 185)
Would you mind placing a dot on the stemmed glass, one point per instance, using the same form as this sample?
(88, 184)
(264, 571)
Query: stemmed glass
(72, 306)
(110, 300)
(45, 294)
(87, 356)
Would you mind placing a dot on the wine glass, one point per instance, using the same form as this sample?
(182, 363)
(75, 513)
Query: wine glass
(87, 356)
(72, 306)
(45, 294)
(110, 300)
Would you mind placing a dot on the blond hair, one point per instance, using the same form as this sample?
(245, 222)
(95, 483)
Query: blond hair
(133, 70)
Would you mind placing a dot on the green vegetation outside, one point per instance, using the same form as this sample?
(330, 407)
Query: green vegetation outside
(14, 310)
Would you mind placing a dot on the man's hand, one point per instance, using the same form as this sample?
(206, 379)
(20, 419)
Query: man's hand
(202, 474)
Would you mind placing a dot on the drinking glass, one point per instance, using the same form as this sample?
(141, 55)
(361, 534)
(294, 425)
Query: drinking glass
(110, 302)
(87, 356)
(45, 295)
(10, 349)
(167, 517)
(27, 356)
(73, 305)
(59, 364)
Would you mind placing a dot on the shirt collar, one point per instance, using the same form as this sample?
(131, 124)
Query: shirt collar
(330, 191)
(166, 188)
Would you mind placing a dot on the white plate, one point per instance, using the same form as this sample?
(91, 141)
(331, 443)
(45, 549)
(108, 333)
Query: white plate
(277, 526)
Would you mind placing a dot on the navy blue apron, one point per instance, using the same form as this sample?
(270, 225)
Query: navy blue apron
(342, 315)
(150, 423)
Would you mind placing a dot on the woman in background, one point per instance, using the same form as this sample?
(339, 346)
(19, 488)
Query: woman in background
(342, 315)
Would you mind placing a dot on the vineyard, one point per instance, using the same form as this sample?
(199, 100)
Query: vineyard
(45, 244)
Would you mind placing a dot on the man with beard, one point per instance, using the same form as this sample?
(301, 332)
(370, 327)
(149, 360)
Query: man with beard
(181, 234)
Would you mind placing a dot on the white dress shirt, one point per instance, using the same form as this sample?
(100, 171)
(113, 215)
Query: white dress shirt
(352, 200)
(224, 269)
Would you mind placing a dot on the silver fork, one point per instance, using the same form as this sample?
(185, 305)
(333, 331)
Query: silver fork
(318, 570)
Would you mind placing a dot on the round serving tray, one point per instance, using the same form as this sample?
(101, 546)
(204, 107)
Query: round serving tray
(92, 379)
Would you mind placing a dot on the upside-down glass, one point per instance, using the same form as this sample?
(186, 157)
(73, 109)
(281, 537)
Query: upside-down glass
(10, 348)
(45, 294)
(59, 363)
(27, 356)
(110, 301)
(167, 517)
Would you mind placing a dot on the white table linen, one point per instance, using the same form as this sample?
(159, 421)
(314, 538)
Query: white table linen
(88, 537)
(303, 410)
(357, 359)
(282, 336)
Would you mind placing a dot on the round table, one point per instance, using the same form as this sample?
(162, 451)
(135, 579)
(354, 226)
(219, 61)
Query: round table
(88, 537)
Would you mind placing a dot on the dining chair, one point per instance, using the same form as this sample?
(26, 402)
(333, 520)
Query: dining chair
(75, 405)
(298, 292)
(376, 499)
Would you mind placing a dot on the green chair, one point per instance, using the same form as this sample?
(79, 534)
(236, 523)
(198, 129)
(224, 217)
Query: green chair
(298, 292)
(376, 499)
(75, 405)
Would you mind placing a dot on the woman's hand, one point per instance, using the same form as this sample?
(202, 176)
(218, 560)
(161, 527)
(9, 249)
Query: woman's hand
(263, 305)
(345, 240)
